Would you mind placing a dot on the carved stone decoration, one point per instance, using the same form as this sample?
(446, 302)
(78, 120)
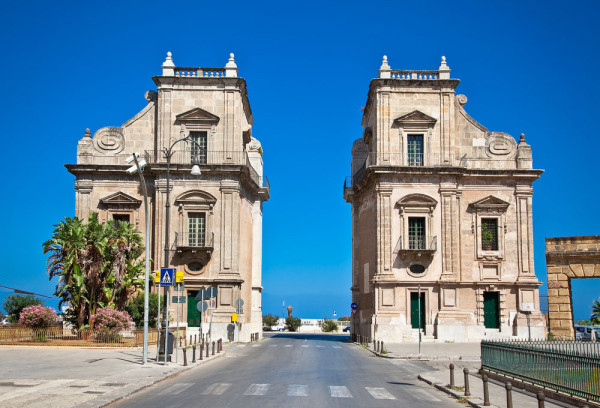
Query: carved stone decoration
(461, 99)
(255, 146)
(359, 148)
(109, 140)
(150, 96)
(500, 144)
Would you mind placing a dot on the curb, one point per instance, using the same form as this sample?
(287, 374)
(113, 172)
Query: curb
(452, 393)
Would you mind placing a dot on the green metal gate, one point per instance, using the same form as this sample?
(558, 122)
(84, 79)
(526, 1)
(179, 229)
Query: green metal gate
(193, 315)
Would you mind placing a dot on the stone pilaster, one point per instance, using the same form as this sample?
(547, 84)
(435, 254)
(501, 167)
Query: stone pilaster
(525, 232)
(383, 127)
(83, 198)
(230, 227)
(384, 230)
(450, 232)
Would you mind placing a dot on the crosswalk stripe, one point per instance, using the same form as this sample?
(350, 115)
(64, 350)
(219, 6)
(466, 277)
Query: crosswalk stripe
(305, 345)
(320, 346)
(337, 346)
(257, 389)
(339, 391)
(288, 345)
(297, 390)
(176, 388)
(379, 393)
(424, 395)
(216, 389)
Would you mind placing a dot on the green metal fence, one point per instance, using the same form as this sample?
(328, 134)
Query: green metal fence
(572, 367)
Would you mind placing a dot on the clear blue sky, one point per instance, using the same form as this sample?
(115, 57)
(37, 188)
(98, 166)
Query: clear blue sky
(526, 67)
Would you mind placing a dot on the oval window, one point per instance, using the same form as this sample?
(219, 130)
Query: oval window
(195, 266)
(417, 269)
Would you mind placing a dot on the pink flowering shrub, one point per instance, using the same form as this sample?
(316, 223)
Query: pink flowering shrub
(37, 317)
(108, 319)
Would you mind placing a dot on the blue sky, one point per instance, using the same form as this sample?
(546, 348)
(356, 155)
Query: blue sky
(526, 67)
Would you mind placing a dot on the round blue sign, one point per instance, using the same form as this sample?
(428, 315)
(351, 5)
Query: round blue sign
(354, 306)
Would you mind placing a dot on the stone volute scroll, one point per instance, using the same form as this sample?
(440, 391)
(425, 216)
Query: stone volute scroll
(109, 140)
(500, 145)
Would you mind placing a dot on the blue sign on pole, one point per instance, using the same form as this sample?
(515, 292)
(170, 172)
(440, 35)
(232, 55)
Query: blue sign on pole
(353, 306)
(166, 276)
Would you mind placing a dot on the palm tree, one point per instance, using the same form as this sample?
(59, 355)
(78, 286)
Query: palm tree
(595, 318)
(97, 265)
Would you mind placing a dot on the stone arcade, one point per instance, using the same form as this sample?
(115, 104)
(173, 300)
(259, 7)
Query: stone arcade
(216, 218)
(441, 217)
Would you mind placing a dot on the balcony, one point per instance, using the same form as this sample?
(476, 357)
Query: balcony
(193, 244)
(204, 157)
(416, 246)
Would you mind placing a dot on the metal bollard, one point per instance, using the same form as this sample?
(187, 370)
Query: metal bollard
(213, 351)
(201, 350)
(486, 391)
(451, 375)
(508, 387)
(541, 397)
(185, 357)
(207, 349)
(194, 353)
(467, 391)
(191, 340)
(382, 349)
(195, 340)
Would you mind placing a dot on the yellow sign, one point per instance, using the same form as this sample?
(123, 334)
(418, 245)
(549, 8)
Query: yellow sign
(234, 317)
(178, 277)
(156, 276)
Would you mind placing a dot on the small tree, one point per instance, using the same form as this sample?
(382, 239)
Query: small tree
(269, 320)
(38, 318)
(293, 323)
(328, 325)
(14, 304)
(135, 308)
(487, 237)
(595, 317)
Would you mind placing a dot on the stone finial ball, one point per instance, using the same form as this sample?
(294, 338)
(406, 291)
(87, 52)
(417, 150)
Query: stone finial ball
(87, 131)
(169, 54)
(231, 55)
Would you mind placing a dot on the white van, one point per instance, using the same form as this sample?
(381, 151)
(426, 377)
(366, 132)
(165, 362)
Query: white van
(586, 333)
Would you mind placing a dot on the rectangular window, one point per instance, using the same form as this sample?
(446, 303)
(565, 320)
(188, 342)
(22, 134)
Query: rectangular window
(196, 229)
(415, 150)
(489, 234)
(198, 147)
(416, 233)
(119, 218)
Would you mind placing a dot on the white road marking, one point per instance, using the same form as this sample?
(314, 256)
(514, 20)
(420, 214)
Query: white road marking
(297, 390)
(216, 389)
(339, 391)
(380, 393)
(424, 394)
(320, 346)
(176, 388)
(305, 345)
(337, 346)
(255, 345)
(288, 345)
(257, 389)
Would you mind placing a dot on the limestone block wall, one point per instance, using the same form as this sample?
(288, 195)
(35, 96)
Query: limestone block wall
(568, 258)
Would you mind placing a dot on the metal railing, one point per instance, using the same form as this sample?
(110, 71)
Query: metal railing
(185, 240)
(57, 336)
(186, 156)
(572, 367)
(413, 243)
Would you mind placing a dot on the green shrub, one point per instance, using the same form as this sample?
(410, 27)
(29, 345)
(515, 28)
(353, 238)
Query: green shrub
(293, 323)
(269, 320)
(328, 326)
(14, 304)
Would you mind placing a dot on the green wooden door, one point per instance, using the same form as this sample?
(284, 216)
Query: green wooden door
(414, 310)
(193, 315)
(491, 313)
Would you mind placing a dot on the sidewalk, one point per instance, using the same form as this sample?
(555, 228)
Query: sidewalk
(67, 377)
(439, 356)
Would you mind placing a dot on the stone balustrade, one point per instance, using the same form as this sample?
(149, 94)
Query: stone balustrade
(421, 75)
(198, 72)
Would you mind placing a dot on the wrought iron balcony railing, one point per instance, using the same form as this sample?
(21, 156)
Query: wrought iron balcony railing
(416, 244)
(187, 156)
(194, 242)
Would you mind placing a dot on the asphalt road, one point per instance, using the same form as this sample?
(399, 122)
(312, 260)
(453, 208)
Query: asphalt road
(296, 370)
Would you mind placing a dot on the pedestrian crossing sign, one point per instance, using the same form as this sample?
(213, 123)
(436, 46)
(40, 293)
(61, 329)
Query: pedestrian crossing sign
(166, 276)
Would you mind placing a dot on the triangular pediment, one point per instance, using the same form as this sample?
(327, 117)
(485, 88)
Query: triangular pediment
(415, 118)
(120, 198)
(197, 115)
(490, 203)
(416, 201)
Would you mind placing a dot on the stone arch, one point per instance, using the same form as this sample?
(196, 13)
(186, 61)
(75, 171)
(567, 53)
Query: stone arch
(568, 258)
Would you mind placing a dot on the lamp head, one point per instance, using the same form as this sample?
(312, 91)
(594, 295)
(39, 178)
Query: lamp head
(196, 168)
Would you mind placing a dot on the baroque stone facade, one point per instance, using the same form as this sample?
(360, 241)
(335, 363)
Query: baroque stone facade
(441, 217)
(568, 258)
(215, 234)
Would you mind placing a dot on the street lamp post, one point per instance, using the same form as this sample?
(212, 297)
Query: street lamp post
(138, 167)
(168, 152)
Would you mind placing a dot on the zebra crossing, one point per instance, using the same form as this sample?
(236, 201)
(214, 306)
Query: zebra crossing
(296, 390)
